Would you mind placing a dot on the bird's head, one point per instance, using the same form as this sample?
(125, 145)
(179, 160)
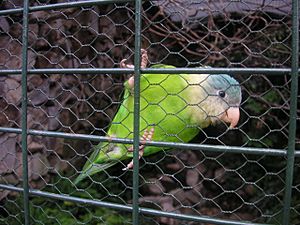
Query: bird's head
(223, 98)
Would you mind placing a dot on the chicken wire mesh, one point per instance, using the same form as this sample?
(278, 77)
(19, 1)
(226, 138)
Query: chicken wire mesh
(223, 176)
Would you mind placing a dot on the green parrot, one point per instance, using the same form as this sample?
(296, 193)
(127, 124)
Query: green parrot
(173, 108)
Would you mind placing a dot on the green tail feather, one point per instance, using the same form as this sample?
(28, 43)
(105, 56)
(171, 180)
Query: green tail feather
(92, 169)
(99, 161)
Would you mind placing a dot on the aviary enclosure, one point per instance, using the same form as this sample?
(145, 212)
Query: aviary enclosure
(61, 85)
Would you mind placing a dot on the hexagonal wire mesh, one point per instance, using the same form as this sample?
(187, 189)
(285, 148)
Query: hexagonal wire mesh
(75, 87)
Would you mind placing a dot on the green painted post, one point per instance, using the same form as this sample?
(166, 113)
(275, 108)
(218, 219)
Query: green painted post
(293, 114)
(136, 130)
(24, 112)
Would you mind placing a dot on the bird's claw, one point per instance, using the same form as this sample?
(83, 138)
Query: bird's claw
(147, 136)
(144, 58)
(144, 62)
(123, 64)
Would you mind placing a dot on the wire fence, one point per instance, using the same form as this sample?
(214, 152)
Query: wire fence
(62, 84)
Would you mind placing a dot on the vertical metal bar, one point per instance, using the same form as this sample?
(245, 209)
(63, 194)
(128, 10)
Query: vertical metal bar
(24, 112)
(136, 131)
(293, 114)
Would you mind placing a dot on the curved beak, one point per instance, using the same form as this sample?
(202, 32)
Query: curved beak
(232, 116)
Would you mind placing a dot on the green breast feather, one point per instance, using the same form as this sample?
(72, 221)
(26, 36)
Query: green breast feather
(163, 105)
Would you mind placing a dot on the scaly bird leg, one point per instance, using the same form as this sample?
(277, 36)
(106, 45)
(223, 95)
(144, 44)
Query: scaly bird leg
(147, 136)
(144, 58)
(144, 62)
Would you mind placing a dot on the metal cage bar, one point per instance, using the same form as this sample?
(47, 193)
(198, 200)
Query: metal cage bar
(62, 6)
(24, 113)
(100, 71)
(136, 112)
(146, 211)
(293, 114)
(203, 147)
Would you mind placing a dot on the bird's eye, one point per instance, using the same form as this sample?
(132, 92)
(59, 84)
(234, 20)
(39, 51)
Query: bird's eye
(221, 94)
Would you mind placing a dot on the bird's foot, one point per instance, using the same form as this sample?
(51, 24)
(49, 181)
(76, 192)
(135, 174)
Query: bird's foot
(144, 62)
(123, 64)
(147, 136)
(144, 58)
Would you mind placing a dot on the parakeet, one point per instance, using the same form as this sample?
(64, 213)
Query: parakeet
(173, 108)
